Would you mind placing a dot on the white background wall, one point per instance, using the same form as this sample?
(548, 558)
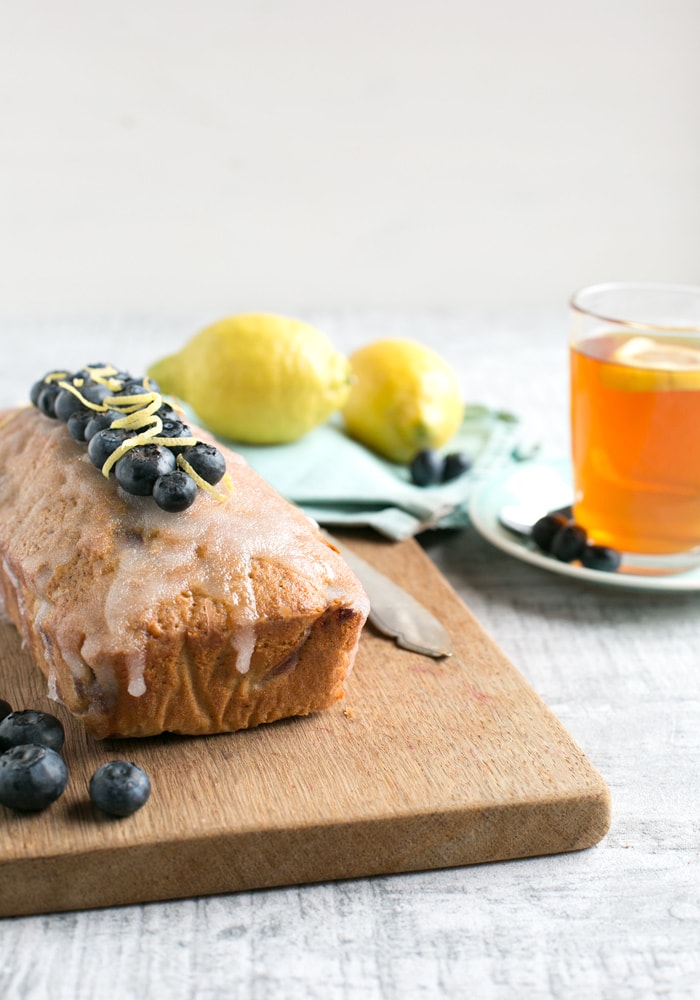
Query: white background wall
(159, 156)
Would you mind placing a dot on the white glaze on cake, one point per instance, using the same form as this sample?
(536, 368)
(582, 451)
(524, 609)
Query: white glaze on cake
(211, 549)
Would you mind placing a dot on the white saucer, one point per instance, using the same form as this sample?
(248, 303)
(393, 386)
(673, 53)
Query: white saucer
(526, 484)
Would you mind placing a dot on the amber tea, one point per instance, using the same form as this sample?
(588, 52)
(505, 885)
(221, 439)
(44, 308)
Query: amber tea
(635, 408)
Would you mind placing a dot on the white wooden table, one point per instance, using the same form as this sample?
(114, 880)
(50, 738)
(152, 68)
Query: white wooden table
(620, 921)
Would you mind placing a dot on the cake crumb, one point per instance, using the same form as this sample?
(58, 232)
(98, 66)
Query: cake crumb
(349, 713)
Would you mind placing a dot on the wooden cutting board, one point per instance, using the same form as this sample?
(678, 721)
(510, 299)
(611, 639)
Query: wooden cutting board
(425, 764)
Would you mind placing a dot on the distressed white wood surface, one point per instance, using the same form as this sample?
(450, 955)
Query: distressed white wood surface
(620, 670)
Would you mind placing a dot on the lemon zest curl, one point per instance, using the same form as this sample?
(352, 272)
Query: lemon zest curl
(139, 413)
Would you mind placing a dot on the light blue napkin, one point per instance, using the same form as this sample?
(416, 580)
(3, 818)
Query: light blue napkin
(338, 482)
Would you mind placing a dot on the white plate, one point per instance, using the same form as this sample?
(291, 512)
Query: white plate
(526, 484)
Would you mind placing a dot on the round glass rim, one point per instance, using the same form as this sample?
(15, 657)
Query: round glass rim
(635, 286)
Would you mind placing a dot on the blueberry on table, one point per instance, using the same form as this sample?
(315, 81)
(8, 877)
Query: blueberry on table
(5, 708)
(207, 461)
(30, 726)
(568, 543)
(544, 530)
(601, 557)
(138, 470)
(104, 442)
(456, 464)
(119, 788)
(31, 777)
(427, 467)
(175, 491)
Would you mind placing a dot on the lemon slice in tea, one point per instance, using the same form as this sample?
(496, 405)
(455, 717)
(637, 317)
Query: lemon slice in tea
(643, 364)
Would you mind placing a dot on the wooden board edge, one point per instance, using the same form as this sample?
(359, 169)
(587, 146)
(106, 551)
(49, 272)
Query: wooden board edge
(225, 863)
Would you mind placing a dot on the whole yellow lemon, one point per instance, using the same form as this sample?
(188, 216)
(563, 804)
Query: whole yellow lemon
(404, 398)
(258, 378)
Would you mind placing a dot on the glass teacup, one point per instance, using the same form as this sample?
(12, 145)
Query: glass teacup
(635, 415)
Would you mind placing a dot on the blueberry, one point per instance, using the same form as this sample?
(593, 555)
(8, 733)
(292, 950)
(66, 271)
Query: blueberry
(104, 442)
(568, 543)
(139, 468)
(119, 788)
(66, 405)
(95, 392)
(166, 412)
(601, 557)
(46, 399)
(456, 464)
(30, 726)
(5, 708)
(34, 392)
(207, 461)
(87, 374)
(175, 491)
(77, 423)
(175, 429)
(426, 467)
(136, 387)
(31, 777)
(100, 421)
(544, 530)
(41, 384)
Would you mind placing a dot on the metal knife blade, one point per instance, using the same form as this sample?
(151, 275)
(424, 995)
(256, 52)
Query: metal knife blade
(394, 612)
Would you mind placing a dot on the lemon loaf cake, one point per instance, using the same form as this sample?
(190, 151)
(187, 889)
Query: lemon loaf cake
(228, 613)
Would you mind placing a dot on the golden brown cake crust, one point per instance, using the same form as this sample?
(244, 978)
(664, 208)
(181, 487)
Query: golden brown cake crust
(217, 618)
